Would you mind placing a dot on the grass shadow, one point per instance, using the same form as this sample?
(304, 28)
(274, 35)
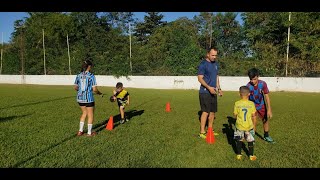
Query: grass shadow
(43, 151)
(39, 102)
(229, 131)
(259, 135)
(116, 119)
(4, 119)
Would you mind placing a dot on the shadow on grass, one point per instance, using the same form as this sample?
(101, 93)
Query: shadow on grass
(229, 131)
(39, 102)
(259, 135)
(4, 119)
(43, 151)
(116, 119)
(97, 127)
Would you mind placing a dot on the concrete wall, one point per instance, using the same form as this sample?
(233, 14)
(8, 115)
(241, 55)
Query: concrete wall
(228, 83)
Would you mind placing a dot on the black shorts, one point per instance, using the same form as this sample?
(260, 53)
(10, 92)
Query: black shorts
(208, 102)
(87, 104)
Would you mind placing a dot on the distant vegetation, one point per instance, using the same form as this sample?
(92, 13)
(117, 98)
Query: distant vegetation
(164, 48)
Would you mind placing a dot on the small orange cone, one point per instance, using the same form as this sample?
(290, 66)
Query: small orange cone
(110, 124)
(168, 109)
(210, 136)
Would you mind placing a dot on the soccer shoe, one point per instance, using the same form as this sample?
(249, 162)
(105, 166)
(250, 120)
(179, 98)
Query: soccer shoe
(216, 134)
(253, 158)
(269, 139)
(127, 120)
(239, 157)
(121, 121)
(202, 135)
(79, 133)
(92, 134)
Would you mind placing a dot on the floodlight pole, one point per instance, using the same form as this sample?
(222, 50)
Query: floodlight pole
(1, 54)
(68, 54)
(288, 45)
(130, 47)
(44, 54)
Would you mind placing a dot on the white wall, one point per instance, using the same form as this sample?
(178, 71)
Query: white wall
(228, 83)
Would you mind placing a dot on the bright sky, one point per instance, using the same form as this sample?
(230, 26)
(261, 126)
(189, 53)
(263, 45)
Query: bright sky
(7, 19)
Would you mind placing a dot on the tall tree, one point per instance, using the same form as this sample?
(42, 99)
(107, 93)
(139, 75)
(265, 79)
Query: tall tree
(151, 22)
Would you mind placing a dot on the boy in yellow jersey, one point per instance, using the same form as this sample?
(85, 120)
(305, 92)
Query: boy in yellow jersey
(244, 112)
(123, 99)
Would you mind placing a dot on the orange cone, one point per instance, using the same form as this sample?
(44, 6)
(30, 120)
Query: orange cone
(168, 109)
(210, 136)
(110, 124)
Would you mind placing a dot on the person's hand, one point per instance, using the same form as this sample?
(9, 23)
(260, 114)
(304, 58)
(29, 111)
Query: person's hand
(269, 113)
(212, 90)
(220, 92)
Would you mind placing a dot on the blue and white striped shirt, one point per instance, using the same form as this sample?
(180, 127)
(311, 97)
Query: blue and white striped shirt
(85, 82)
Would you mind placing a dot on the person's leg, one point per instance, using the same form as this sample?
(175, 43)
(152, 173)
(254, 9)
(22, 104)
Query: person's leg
(263, 116)
(121, 114)
(204, 105)
(203, 121)
(211, 118)
(82, 119)
(90, 111)
(213, 111)
(238, 137)
(250, 147)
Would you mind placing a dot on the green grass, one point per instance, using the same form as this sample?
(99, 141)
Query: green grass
(38, 126)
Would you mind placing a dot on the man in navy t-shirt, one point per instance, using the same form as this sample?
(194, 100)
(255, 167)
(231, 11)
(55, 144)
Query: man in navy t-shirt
(209, 88)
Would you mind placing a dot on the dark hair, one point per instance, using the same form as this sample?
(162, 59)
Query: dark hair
(244, 90)
(85, 65)
(253, 73)
(209, 49)
(119, 85)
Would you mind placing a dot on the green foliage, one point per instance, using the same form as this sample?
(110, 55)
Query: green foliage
(161, 48)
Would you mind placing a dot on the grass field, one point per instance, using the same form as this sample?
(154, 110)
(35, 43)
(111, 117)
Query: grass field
(38, 126)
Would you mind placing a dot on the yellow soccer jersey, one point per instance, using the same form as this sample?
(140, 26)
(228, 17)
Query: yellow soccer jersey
(244, 110)
(122, 95)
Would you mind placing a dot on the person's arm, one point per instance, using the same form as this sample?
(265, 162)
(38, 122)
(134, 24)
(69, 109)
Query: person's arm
(76, 87)
(95, 89)
(269, 111)
(218, 86)
(267, 102)
(128, 100)
(254, 120)
(235, 112)
(203, 83)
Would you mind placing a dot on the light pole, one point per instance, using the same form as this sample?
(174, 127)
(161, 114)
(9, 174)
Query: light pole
(130, 48)
(288, 45)
(68, 53)
(44, 54)
(1, 54)
(21, 52)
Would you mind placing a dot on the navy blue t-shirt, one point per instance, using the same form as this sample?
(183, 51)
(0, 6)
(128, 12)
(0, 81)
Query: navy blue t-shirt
(209, 70)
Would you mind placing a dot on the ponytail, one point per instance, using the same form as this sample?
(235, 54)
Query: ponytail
(85, 65)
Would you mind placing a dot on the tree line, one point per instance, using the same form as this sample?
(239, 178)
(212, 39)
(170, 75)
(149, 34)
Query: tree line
(120, 45)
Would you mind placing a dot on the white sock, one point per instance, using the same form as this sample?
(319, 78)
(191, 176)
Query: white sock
(89, 128)
(81, 126)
